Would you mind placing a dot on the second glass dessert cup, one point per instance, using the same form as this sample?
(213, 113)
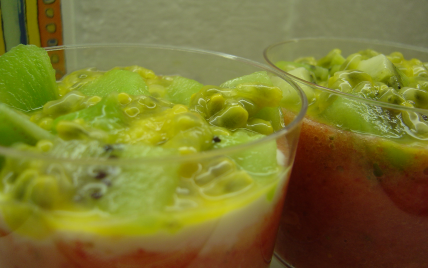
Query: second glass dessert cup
(358, 193)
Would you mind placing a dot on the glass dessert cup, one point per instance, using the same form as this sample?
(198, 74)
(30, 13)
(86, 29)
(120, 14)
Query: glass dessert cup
(358, 192)
(190, 228)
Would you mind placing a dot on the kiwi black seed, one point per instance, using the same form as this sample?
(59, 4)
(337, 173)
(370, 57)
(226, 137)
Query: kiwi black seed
(96, 195)
(108, 148)
(100, 174)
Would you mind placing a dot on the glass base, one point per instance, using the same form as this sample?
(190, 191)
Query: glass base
(277, 262)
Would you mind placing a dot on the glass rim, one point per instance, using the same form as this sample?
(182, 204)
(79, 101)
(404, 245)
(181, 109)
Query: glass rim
(16, 153)
(339, 93)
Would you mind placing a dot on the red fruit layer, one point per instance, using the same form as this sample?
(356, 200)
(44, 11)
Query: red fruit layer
(348, 205)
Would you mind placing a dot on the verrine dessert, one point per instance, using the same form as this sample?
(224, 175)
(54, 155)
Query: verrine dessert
(358, 193)
(142, 156)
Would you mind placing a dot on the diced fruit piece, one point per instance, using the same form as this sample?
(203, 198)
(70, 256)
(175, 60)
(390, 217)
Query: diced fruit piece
(151, 130)
(35, 183)
(116, 81)
(260, 126)
(258, 78)
(181, 89)
(420, 82)
(227, 185)
(143, 72)
(289, 65)
(303, 74)
(381, 69)
(368, 53)
(27, 78)
(257, 160)
(307, 60)
(115, 189)
(214, 179)
(232, 116)
(320, 73)
(175, 127)
(346, 81)
(417, 126)
(71, 102)
(368, 90)
(289, 94)
(262, 96)
(126, 189)
(351, 62)
(16, 127)
(332, 61)
(189, 133)
(418, 97)
(392, 96)
(357, 116)
(143, 188)
(106, 115)
(273, 115)
(143, 106)
(307, 76)
(44, 192)
(77, 79)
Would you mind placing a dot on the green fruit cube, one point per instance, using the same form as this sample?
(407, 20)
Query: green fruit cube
(116, 81)
(27, 79)
(181, 89)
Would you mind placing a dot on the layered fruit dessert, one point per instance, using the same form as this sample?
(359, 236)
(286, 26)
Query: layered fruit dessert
(127, 168)
(358, 193)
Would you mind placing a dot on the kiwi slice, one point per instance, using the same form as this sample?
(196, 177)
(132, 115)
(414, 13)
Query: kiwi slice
(181, 89)
(260, 77)
(115, 189)
(333, 58)
(257, 160)
(17, 127)
(360, 117)
(106, 115)
(318, 72)
(381, 69)
(116, 81)
(128, 189)
(27, 78)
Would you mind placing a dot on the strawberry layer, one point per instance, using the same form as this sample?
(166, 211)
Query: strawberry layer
(352, 202)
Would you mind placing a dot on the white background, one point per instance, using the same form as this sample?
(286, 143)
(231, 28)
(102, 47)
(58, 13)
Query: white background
(242, 27)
